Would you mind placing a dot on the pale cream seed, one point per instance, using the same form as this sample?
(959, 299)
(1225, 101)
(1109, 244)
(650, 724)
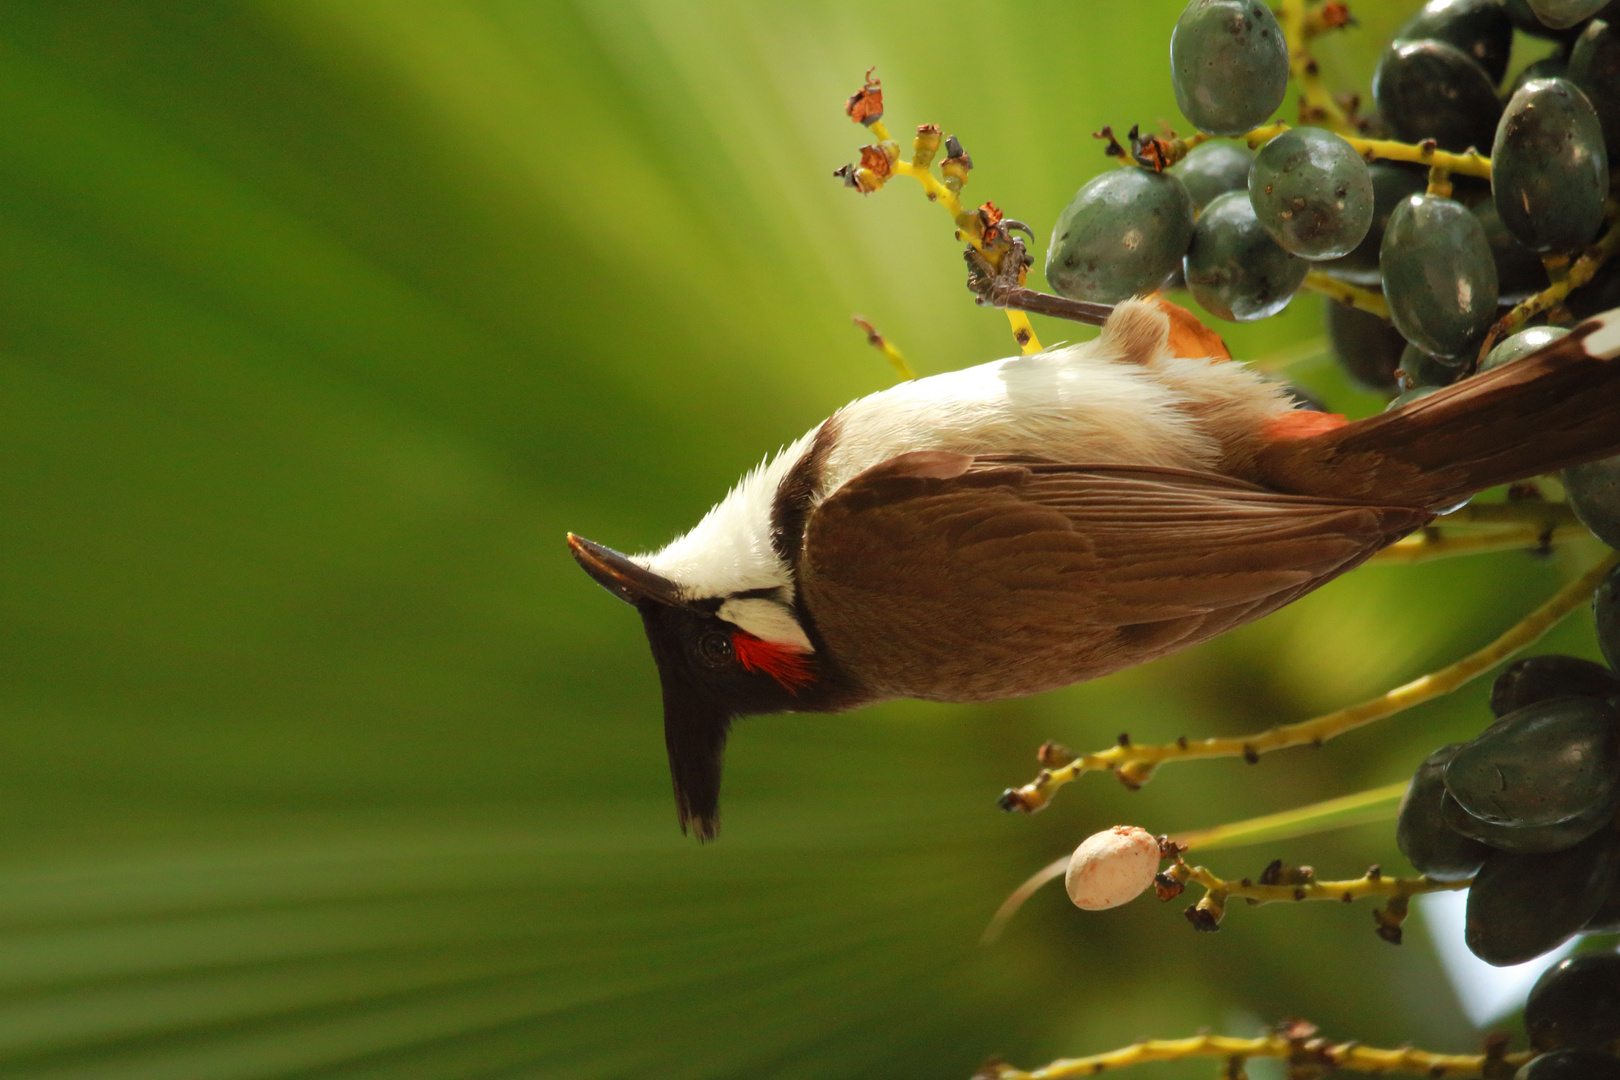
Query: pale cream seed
(1112, 867)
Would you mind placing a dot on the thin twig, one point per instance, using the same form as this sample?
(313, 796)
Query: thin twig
(1350, 1056)
(1579, 273)
(1280, 884)
(1369, 300)
(968, 225)
(882, 345)
(1423, 153)
(1315, 102)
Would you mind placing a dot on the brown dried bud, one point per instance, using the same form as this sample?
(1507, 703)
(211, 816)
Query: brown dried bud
(873, 338)
(1113, 149)
(956, 165)
(1021, 800)
(1295, 1029)
(1150, 152)
(989, 223)
(1496, 1067)
(1167, 887)
(1334, 14)
(875, 161)
(992, 1069)
(1388, 919)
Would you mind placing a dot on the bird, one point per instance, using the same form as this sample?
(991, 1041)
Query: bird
(1044, 519)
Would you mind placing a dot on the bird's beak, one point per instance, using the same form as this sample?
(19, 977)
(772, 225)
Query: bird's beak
(623, 577)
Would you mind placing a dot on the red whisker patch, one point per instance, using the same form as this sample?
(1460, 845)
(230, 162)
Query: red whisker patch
(784, 663)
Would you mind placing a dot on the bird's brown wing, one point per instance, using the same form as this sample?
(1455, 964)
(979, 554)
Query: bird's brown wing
(943, 576)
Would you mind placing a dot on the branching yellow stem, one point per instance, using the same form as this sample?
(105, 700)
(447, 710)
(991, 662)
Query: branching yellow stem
(1317, 104)
(1343, 892)
(1280, 884)
(1370, 149)
(1360, 808)
(1369, 300)
(1135, 764)
(967, 228)
(1423, 153)
(1350, 1056)
(1298, 26)
(1580, 272)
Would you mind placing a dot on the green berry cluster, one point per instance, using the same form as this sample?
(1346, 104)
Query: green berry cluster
(1530, 807)
(1242, 230)
(1551, 134)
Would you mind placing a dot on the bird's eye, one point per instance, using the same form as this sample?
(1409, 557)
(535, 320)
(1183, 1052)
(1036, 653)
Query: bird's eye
(714, 648)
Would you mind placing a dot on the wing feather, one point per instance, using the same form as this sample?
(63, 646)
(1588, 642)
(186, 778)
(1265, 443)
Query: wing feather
(1005, 578)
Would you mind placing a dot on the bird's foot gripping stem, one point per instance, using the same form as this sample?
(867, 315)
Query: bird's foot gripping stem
(1003, 286)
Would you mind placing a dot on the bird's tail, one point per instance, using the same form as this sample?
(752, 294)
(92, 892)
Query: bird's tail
(1556, 407)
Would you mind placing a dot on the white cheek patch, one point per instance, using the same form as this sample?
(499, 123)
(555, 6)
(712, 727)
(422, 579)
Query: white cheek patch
(766, 620)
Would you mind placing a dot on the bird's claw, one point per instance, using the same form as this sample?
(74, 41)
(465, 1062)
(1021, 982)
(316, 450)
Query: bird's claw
(992, 284)
(1010, 223)
(1001, 287)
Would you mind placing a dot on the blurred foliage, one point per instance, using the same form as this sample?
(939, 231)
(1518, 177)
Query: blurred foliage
(321, 322)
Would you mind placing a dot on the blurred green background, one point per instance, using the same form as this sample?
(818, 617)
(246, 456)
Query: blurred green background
(320, 323)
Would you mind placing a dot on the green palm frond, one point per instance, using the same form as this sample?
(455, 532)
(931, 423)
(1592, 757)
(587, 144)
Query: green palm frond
(320, 323)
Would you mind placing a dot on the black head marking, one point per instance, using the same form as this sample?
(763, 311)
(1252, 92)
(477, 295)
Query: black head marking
(711, 671)
(706, 686)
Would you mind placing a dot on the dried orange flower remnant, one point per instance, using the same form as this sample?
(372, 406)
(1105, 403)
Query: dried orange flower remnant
(873, 157)
(865, 106)
(990, 216)
(1334, 14)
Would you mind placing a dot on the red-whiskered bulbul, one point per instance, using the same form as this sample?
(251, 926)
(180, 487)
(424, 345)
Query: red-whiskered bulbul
(1040, 520)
